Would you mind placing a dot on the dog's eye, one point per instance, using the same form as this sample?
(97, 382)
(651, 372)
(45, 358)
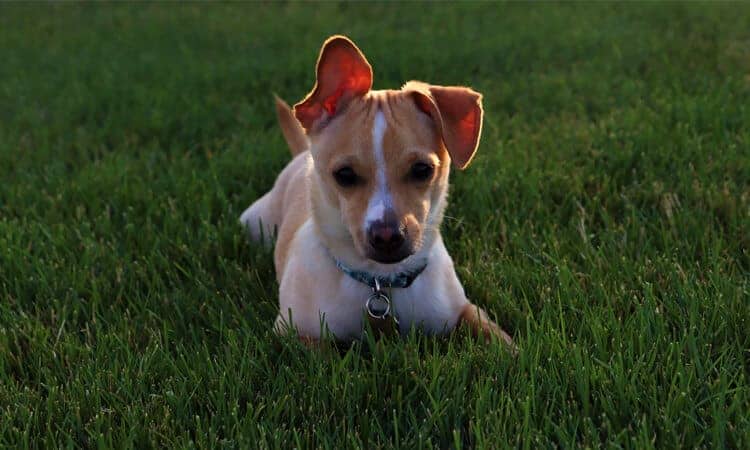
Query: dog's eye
(421, 171)
(346, 177)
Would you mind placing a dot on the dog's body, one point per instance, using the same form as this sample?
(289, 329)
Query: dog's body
(364, 196)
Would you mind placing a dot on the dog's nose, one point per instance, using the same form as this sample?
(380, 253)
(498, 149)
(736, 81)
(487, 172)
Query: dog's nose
(385, 237)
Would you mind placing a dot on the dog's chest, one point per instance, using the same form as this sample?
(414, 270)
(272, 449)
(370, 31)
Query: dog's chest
(423, 306)
(426, 305)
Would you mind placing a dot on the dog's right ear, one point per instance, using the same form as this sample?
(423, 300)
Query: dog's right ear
(343, 74)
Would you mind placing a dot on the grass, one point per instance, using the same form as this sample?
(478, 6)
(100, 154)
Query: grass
(605, 223)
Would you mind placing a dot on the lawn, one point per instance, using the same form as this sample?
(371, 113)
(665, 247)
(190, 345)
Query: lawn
(605, 223)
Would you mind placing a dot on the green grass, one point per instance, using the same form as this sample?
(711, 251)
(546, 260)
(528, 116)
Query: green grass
(605, 223)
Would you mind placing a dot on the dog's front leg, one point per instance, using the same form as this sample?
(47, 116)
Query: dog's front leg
(481, 325)
(310, 342)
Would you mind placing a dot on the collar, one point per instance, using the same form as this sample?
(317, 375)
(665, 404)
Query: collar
(402, 279)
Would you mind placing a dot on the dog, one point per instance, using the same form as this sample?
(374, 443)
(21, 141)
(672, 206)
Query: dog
(357, 212)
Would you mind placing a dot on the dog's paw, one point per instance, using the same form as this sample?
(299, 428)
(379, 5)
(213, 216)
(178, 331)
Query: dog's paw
(482, 326)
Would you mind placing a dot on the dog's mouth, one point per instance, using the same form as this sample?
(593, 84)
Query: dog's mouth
(388, 259)
(392, 256)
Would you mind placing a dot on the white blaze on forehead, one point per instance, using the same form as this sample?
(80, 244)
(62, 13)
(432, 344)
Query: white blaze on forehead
(381, 196)
(378, 131)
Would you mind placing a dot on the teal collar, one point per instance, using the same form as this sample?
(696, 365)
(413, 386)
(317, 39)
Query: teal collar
(395, 280)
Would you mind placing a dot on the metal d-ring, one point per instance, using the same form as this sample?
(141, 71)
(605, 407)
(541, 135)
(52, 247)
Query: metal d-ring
(378, 304)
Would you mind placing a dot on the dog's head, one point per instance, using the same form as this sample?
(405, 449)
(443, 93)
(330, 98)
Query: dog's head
(383, 157)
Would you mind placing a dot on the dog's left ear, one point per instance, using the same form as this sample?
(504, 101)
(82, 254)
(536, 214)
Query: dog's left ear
(457, 112)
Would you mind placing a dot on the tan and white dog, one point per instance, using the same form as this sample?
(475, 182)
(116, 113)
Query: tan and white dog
(357, 212)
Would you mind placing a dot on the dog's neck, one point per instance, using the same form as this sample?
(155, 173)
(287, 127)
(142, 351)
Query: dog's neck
(345, 254)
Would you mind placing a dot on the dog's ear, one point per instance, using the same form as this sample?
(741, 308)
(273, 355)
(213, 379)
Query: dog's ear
(457, 113)
(343, 74)
(293, 133)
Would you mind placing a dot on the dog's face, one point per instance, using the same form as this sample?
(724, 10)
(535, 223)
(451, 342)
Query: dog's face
(383, 157)
(384, 170)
